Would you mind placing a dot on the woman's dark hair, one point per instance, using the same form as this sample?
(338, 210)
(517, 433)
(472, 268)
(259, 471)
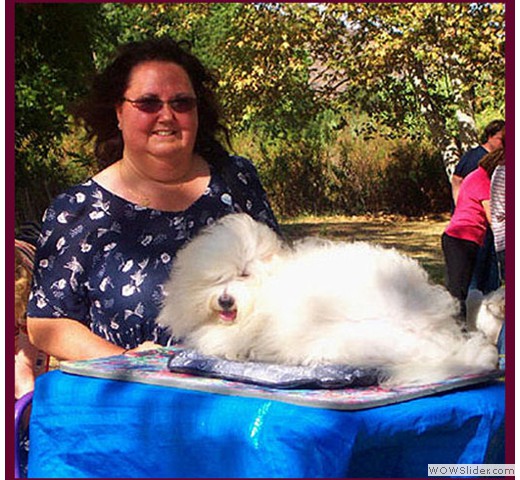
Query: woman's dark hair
(491, 129)
(98, 112)
(492, 160)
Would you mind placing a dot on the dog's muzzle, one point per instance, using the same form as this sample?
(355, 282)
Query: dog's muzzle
(228, 311)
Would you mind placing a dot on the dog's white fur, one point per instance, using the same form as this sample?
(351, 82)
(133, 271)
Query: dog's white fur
(487, 312)
(316, 302)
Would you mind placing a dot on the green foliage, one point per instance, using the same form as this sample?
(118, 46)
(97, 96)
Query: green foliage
(414, 182)
(343, 107)
(53, 62)
(410, 62)
(42, 172)
(352, 169)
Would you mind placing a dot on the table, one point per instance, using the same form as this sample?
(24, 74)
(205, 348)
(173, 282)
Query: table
(83, 426)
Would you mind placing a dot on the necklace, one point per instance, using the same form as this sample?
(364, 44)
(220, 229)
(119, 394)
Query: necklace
(174, 195)
(136, 195)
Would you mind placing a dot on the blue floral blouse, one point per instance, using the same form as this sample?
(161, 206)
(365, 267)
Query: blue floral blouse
(103, 261)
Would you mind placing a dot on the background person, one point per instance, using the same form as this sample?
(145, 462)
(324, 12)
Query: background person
(485, 274)
(107, 246)
(466, 230)
(498, 217)
(491, 140)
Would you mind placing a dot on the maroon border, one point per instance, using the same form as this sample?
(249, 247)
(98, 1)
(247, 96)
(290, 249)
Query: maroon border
(510, 230)
(9, 221)
(9, 237)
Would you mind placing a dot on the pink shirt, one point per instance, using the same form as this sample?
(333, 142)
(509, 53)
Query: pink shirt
(469, 221)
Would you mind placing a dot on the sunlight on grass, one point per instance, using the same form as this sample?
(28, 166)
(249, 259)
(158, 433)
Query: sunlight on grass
(419, 238)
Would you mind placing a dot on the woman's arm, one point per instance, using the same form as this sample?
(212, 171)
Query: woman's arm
(487, 210)
(67, 339)
(456, 182)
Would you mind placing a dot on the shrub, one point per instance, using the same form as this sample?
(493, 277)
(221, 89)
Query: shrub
(353, 174)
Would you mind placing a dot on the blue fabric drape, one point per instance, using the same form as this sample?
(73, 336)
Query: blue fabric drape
(88, 427)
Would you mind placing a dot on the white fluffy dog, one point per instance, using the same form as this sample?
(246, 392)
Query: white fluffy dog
(487, 312)
(237, 291)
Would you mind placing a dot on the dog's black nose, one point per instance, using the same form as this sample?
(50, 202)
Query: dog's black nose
(226, 301)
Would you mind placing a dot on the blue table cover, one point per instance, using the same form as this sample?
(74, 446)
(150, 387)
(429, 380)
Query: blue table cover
(85, 427)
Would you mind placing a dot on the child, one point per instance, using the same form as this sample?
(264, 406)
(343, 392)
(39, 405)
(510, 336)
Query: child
(29, 361)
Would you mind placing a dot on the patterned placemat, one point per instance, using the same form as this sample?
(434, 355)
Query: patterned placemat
(324, 376)
(151, 367)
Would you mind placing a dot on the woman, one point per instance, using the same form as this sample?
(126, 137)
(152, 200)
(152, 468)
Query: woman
(466, 231)
(498, 212)
(107, 246)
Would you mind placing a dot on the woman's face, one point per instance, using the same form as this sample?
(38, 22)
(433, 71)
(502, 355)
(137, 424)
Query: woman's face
(495, 141)
(165, 133)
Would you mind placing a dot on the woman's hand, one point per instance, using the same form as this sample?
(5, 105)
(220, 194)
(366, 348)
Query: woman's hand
(148, 345)
(67, 339)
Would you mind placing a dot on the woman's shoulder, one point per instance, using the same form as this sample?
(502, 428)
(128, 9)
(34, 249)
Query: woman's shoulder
(71, 199)
(76, 194)
(243, 169)
(477, 175)
(87, 205)
(238, 163)
(246, 187)
(240, 175)
(499, 173)
(477, 184)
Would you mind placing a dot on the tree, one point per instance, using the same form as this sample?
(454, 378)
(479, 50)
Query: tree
(417, 64)
(292, 77)
(53, 60)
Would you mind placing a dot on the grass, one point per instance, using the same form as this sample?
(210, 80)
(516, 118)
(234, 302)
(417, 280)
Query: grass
(420, 238)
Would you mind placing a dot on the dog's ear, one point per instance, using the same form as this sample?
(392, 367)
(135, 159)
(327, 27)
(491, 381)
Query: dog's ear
(497, 309)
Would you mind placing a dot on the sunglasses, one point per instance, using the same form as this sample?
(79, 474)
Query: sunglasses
(154, 105)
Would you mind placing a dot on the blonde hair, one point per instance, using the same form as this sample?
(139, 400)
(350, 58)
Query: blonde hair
(23, 261)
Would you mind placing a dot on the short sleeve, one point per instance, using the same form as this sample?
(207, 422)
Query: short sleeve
(498, 195)
(59, 279)
(254, 196)
(459, 168)
(469, 161)
(484, 185)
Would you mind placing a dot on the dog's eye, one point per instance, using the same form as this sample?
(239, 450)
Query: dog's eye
(219, 279)
(244, 274)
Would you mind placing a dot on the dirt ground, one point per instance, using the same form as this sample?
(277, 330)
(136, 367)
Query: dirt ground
(420, 238)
